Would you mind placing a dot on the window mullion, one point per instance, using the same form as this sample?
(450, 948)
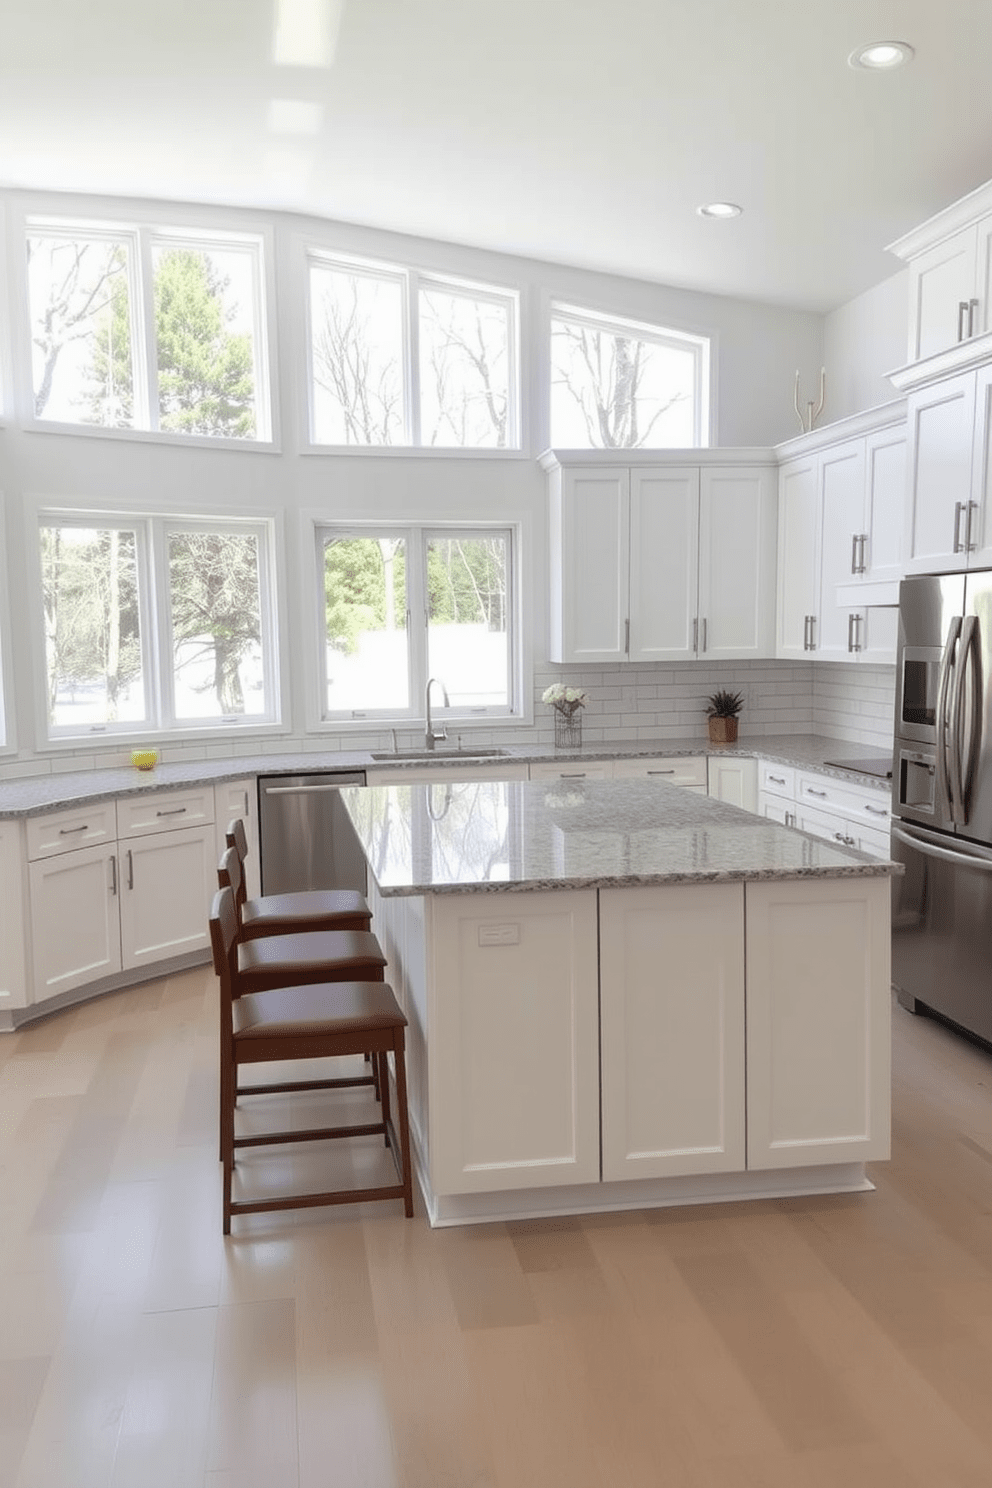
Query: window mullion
(417, 598)
(156, 621)
(144, 356)
(412, 342)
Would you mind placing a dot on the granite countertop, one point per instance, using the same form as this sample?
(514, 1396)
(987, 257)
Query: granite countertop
(31, 795)
(516, 835)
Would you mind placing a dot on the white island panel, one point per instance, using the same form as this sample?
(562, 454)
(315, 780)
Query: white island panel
(672, 1008)
(818, 1034)
(514, 1042)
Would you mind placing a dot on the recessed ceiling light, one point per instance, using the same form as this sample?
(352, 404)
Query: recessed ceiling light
(720, 209)
(881, 56)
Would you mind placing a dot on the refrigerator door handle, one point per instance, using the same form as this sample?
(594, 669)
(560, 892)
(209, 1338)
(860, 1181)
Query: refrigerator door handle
(931, 850)
(943, 799)
(966, 710)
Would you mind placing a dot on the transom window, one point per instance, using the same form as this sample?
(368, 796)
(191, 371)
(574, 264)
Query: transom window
(399, 358)
(134, 328)
(115, 661)
(401, 605)
(622, 385)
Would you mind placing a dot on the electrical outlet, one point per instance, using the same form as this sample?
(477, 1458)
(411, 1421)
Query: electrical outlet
(499, 935)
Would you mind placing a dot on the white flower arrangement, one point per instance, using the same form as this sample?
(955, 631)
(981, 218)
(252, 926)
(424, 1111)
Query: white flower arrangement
(567, 700)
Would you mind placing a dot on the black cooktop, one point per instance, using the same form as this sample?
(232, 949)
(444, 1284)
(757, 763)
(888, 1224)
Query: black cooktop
(880, 767)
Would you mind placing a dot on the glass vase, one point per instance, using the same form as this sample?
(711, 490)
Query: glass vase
(568, 729)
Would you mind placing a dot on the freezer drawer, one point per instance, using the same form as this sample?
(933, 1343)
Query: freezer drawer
(942, 926)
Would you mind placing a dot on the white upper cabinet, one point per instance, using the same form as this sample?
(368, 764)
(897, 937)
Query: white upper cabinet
(947, 524)
(950, 276)
(661, 562)
(840, 544)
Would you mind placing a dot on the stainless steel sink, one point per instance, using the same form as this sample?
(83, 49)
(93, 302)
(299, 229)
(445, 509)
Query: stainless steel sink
(442, 754)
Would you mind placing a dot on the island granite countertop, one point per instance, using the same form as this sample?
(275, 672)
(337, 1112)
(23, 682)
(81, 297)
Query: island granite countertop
(30, 795)
(503, 836)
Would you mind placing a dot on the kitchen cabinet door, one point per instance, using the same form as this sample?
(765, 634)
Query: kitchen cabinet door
(842, 505)
(672, 1030)
(734, 781)
(737, 540)
(818, 1008)
(942, 284)
(941, 427)
(664, 564)
(798, 558)
(979, 529)
(239, 798)
(885, 506)
(75, 919)
(590, 564)
(167, 883)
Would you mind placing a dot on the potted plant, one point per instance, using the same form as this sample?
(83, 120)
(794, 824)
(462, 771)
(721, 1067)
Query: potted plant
(722, 708)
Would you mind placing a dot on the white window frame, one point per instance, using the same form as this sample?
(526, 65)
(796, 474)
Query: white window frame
(412, 280)
(7, 732)
(699, 343)
(142, 236)
(152, 530)
(416, 536)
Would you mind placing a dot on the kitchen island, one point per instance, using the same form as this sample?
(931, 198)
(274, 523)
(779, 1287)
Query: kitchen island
(626, 996)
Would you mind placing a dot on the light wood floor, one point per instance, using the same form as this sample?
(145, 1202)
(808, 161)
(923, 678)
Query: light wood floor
(831, 1343)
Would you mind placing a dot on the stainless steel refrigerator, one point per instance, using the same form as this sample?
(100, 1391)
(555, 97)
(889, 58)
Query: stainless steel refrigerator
(942, 799)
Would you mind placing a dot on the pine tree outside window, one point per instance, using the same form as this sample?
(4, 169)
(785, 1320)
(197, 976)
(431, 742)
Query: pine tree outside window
(145, 329)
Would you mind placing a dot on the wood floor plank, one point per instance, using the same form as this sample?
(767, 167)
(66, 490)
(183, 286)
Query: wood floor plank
(252, 1427)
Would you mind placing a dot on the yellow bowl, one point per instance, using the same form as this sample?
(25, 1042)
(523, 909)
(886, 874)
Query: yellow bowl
(144, 759)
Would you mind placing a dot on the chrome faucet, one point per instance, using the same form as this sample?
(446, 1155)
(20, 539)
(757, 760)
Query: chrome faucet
(433, 735)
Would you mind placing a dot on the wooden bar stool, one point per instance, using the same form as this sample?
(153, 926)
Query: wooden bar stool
(299, 958)
(317, 1020)
(281, 914)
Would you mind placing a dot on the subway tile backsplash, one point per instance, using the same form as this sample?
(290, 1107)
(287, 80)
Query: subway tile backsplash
(625, 703)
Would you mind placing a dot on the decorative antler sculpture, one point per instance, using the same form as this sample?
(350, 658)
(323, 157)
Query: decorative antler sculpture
(812, 412)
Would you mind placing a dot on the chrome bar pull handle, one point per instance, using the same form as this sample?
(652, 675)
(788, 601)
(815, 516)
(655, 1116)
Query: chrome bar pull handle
(130, 869)
(850, 633)
(863, 553)
(972, 307)
(695, 636)
(858, 621)
(704, 633)
(962, 312)
(943, 786)
(970, 545)
(812, 632)
(626, 637)
(958, 508)
(855, 539)
(113, 873)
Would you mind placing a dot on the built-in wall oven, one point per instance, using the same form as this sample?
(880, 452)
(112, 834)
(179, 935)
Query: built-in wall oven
(942, 799)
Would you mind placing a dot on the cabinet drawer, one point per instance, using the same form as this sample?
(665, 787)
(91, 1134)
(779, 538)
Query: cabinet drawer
(777, 780)
(164, 811)
(687, 769)
(65, 831)
(826, 824)
(594, 770)
(826, 794)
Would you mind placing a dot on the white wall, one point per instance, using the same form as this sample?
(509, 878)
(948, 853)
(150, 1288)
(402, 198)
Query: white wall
(862, 341)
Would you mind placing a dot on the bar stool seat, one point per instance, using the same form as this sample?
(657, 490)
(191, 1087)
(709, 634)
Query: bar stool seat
(306, 909)
(310, 956)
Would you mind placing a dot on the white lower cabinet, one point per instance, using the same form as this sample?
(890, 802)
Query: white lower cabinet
(75, 919)
(13, 900)
(817, 1022)
(514, 1061)
(138, 894)
(167, 883)
(580, 770)
(240, 798)
(672, 1030)
(734, 781)
(686, 770)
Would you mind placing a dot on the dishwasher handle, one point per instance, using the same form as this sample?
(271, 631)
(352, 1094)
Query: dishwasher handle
(309, 790)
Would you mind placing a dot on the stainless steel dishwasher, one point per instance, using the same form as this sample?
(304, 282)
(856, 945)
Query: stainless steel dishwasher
(306, 840)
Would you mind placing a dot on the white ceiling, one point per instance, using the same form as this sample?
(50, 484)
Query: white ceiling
(582, 131)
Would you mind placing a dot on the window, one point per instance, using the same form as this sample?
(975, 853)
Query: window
(116, 663)
(402, 358)
(199, 368)
(402, 605)
(620, 385)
